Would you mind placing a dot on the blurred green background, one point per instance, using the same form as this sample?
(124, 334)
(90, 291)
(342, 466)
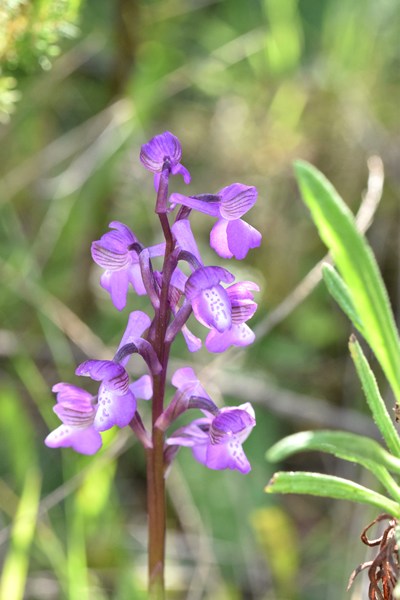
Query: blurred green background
(247, 86)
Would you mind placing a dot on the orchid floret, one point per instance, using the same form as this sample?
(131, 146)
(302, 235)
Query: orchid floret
(161, 150)
(216, 441)
(210, 301)
(231, 236)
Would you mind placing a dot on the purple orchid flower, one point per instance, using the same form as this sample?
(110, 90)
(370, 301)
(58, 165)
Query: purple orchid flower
(113, 252)
(243, 308)
(162, 149)
(210, 301)
(76, 409)
(230, 236)
(216, 442)
(116, 396)
(215, 439)
(116, 402)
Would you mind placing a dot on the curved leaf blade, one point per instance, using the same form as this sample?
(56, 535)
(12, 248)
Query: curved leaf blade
(345, 445)
(341, 293)
(316, 484)
(357, 265)
(374, 399)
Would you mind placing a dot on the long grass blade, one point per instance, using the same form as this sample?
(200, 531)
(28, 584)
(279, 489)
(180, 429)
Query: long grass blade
(357, 265)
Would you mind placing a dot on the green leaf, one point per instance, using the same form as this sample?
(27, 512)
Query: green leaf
(329, 486)
(357, 265)
(345, 445)
(348, 446)
(374, 399)
(341, 293)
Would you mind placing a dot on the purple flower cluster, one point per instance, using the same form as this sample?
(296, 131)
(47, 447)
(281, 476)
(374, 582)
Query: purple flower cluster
(84, 416)
(216, 438)
(210, 293)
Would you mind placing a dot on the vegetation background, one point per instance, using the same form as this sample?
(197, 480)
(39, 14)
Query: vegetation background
(247, 87)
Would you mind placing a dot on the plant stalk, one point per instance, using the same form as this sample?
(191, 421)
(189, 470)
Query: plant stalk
(155, 455)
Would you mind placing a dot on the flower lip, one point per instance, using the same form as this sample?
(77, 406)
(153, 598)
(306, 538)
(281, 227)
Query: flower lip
(234, 237)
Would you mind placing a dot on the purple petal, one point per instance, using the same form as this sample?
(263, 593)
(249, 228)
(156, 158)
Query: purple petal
(181, 170)
(236, 200)
(179, 279)
(125, 234)
(191, 435)
(234, 238)
(113, 375)
(184, 236)
(111, 251)
(119, 283)
(118, 239)
(156, 250)
(114, 409)
(219, 239)
(237, 335)
(109, 259)
(246, 406)
(76, 416)
(158, 149)
(86, 441)
(206, 278)
(199, 452)
(135, 278)
(186, 378)
(241, 237)
(138, 322)
(74, 406)
(71, 394)
(192, 341)
(205, 206)
(232, 421)
(142, 388)
(242, 311)
(183, 376)
(242, 290)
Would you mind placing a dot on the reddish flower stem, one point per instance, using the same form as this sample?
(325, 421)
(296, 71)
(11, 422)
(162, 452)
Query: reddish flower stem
(155, 455)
